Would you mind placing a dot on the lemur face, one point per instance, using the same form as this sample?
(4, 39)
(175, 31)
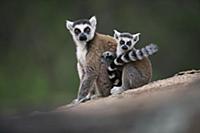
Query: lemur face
(107, 57)
(82, 30)
(126, 41)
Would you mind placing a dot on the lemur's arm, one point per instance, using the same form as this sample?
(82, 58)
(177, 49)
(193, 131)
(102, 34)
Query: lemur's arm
(87, 82)
(80, 71)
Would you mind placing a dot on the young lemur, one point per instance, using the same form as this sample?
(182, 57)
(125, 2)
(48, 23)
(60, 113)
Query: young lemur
(89, 48)
(131, 64)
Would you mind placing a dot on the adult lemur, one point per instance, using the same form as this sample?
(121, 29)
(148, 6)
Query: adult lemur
(89, 48)
(129, 63)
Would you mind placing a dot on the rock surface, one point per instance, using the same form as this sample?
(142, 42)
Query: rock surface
(166, 106)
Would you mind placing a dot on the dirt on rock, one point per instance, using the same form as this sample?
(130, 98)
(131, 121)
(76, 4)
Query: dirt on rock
(170, 105)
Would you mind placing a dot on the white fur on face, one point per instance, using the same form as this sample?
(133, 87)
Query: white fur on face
(125, 39)
(81, 27)
(119, 49)
(81, 49)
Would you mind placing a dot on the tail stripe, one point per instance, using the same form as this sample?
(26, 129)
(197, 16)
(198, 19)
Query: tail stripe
(127, 55)
(131, 56)
(112, 76)
(148, 48)
(116, 82)
(113, 65)
(138, 54)
(147, 51)
(125, 59)
(118, 63)
(144, 52)
(110, 72)
(141, 54)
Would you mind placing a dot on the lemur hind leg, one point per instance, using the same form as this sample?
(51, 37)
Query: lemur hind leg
(131, 78)
(135, 77)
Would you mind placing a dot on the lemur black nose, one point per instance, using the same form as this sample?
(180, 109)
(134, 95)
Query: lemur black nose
(82, 37)
(124, 47)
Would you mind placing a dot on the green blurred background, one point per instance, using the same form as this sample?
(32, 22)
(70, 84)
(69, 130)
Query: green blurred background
(37, 54)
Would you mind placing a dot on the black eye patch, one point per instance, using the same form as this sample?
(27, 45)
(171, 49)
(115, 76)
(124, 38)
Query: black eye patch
(121, 42)
(87, 30)
(129, 43)
(77, 31)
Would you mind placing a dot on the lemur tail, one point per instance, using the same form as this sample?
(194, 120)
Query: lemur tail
(127, 57)
(135, 55)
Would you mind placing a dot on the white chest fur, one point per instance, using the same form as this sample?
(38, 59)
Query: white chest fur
(81, 52)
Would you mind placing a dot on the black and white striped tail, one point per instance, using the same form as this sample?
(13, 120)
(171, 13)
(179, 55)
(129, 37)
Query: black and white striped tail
(130, 56)
(135, 55)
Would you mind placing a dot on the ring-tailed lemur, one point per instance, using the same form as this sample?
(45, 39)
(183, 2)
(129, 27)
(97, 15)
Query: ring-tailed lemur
(124, 45)
(125, 53)
(130, 56)
(89, 48)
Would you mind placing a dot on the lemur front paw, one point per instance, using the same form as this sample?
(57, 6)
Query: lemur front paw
(84, 99)
(75, 101)
(116, 90)
(81, 99)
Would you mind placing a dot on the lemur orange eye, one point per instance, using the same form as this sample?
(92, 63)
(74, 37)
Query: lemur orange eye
(77, 31)
(122, 42)
(87, 30)
(129, 43)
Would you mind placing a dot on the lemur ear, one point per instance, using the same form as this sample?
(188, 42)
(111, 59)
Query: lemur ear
(116, 34)
(93, 21)
(69, 25)
(136, 37)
